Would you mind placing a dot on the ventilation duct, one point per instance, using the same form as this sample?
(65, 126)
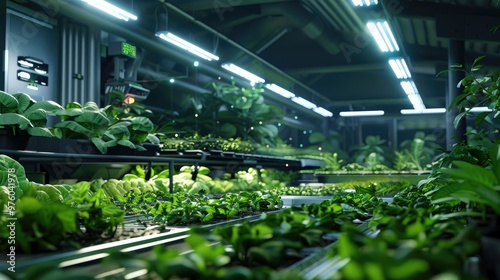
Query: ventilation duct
(305, 21)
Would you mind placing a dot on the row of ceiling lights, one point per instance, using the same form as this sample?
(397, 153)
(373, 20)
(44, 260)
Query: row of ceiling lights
(181, 43)
(384, 37)
(380, 31)
(385, 40)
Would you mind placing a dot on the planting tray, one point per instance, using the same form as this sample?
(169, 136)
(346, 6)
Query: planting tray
(333, 178)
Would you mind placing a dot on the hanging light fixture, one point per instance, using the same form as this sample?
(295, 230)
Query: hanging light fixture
(425, 111)
(183, 44)
(243, 73)
(361, 3)
(322, 111)
(111, 9)
(383, 35)
(361, 113)
(303, 102)
(400, 68)
(279, 90)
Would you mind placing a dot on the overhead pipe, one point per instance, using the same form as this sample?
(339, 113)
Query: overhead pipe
(306, 22)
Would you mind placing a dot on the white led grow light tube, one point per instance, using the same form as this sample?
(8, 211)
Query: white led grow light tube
(361, 113)
(111, 9)
(243, 73)
(303, 102)
(382, 34)
(176, 40)
(322, 111)
(279, 90)
(425, 111)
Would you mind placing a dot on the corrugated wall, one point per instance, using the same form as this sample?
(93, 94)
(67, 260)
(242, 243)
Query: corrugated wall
(80, 54)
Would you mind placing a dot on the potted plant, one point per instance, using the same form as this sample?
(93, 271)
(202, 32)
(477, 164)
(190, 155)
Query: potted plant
(103, 128)
(22, 116)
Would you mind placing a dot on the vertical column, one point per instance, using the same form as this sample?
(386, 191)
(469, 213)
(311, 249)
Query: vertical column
(393, 133)
(3, 46)
(456, 54)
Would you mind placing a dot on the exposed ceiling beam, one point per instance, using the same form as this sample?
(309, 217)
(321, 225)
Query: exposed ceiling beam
(218, 5)
(419, 9)
(336, 69)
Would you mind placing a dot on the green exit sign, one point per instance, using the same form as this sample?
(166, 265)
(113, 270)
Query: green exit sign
(122, 49)
(129, 50)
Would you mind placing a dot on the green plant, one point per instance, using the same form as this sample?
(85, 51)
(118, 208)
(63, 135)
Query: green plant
(474, 184)
(372, 145)
(478, 90)
(231, 111)
(416, 154)
(103, 127)
(23, 112)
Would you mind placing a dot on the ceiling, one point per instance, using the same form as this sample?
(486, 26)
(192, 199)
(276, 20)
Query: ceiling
(326, 53)
(320, 49)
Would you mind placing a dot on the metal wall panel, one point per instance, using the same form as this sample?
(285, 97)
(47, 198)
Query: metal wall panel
(80, 54)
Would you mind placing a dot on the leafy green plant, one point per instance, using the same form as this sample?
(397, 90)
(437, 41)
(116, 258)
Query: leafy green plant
(476, 185)
(372, 145)
(20, 111)
(478, 90)
(232, 112)
(103, 127)
(417, 153)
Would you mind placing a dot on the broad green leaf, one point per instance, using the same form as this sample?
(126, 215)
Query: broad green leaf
(71, 112)
(126, 143)
(153, 139)
(100, 145)
(73, 105)
(24, 101)
(93, 117)
(91, 106)
(458, 118)
(448, 190)
(40, 131)
(7, 100)
(408, 269)
(477, 60)
(34, 115)
(495, 159)
(15, 119)
(73, 126)
(471, 173)
(46, 105)
(480, 117)
(8, 164)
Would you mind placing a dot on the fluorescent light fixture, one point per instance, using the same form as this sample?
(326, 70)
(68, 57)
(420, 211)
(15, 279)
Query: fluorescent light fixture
(360, 3)
(425, 111)
(361, 113)
(279, 90)
(183, 44)
(243, 73)
(417, 102)
(322, 111)
(480, 109)
(409, 87)
(111, 9)
(400, 68)
(303, 102)
(382, 34)
(412, 93)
